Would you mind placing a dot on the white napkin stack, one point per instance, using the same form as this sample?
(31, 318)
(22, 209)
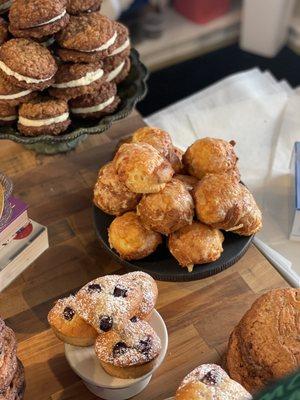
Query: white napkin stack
(262, 116)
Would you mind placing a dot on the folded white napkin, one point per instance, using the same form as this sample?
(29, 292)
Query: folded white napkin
(257, 112)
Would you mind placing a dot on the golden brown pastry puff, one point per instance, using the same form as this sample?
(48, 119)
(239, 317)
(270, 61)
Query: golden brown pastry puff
(196, 244)
(218, 200)
(68, 326)
(209, 155)
(251, 221)
(209, 382)
(189, 181)
(111, 195)
(166, 211)
(142, 168)
(157, 137)
(130, 238)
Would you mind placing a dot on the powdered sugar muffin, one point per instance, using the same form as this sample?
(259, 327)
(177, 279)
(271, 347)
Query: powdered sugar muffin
(129, 353)
(108, 301)
(68, 326)
(209, 381)
(149, 292)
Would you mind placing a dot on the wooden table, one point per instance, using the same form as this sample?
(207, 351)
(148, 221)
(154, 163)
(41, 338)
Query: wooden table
(199, 315)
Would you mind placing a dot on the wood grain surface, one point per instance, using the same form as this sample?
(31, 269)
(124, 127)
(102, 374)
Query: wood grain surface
(199, 315)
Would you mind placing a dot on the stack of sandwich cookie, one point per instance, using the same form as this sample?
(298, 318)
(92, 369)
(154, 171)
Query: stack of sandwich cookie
(12, 378)
(112, 312)
(91, 58)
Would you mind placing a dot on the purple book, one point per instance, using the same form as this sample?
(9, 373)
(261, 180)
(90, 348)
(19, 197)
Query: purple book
(18, 219)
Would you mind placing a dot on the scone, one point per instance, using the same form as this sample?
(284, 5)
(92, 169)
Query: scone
(129, 353)
(68, 326)
(167, 211)
(130, 238)
(107, 301)
(8, 357)
(196, 244)
(209, 382)
(111, 195)
(210, 156)
(265, 344)
(142, 168)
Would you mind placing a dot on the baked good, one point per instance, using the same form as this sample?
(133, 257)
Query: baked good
(16, 388)
(116, 68)
(224, 203)
(106, 302)
(175, 158)
(188, 180)
(8, 357)
(251, 220)
(196, 244)
(98, 104)
(13, 95)
(265, 344)
(156, 137)
(209, 155)
(43, 116)
(37, 18)
(27, 64)
(129, 353)
(142, 168)
(168, 210)
(110, 193)
(5, 6)
(208, 382)
(121, 47)
(73, 80)
(76, 7)
(68, 326)
(130, 238)
(8, 114)
(3, 31)
(87, 38)
(149, 291)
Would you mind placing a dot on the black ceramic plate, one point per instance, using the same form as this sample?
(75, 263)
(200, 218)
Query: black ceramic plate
(161, 264)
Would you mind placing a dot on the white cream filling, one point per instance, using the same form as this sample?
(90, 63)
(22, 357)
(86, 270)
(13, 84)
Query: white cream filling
(50, 20)
(104, 46)
(42, 122)
(20, 77)
(10, 118)
(15, 95)
(89, 78)
(115, 72)
(121, 48)
(5, 5)
(93, 109)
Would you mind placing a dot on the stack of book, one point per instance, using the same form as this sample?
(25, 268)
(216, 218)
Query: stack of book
(21, 241)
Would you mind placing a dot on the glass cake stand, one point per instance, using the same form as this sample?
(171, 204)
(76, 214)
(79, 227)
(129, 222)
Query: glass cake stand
(131, 91)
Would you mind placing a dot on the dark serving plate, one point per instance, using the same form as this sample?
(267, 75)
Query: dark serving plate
(161, 264)
(131, 91)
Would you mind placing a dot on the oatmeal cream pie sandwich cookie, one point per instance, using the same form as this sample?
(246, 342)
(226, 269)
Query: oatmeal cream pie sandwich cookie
(74, 80)
(27, 64)
(8, 114)
(87, 38)
(121, 47)
(12, 95)
(3, 31)
(37, 18)
(116, 68)
(76, 7)
(98, 104)
(43, 116)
